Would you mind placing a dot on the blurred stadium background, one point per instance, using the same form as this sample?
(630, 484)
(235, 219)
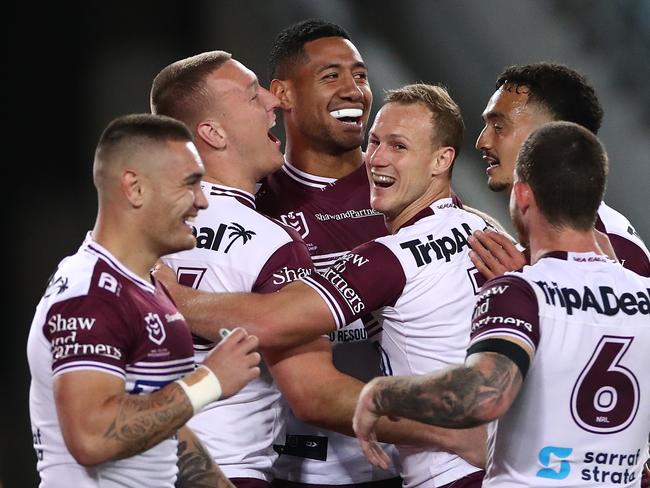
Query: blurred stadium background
(74, 66)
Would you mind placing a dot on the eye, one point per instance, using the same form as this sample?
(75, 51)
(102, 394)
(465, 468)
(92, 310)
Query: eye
(363, 76)
(399, 146)
(330, 76)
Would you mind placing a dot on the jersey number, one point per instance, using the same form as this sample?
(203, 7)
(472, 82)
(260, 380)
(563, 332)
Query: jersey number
(605, 399)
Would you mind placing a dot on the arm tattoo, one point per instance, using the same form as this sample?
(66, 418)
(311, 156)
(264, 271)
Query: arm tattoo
(457, 397)
(142, 421)
(196, 469)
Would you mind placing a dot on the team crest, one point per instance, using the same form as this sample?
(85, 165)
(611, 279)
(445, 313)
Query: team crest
(155, 328)
(297, 221)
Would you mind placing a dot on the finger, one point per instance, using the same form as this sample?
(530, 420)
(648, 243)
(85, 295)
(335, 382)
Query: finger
(480, 265)
(489, 239)
(253, 359)
(480, 247)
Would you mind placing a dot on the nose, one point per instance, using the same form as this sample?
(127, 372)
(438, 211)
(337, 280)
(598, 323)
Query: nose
(271, 102)
(375, 155)
(200, 200)
(482, 142)
(349, 88)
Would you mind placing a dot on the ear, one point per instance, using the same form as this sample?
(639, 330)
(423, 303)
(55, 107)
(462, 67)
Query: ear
(132, 187)
(443, 158)
(283, 90)
(212, 133)
(523, 195)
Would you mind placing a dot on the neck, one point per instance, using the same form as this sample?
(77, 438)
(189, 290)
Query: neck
(227, 173)
(121, 240)
(319, 162)
(549, 239)
(432, 195)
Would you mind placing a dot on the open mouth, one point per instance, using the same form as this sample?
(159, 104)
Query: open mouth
(350, 116)
(273, 139)
(383, 181)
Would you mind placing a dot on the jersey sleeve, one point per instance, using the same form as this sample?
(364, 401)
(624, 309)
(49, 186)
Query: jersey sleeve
(366, 279)
(288, 263)
(88, 333)
(506, 321)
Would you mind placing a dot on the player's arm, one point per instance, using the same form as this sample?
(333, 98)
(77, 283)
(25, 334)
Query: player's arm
(293, 315)
(101, 422)
(196, 468)
(320, 394)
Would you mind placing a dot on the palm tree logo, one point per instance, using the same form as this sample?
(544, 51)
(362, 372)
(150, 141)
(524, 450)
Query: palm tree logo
(238, 232)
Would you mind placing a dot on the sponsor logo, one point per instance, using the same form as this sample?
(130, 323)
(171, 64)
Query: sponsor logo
(441, 248)
(610, 468)
(109, 282)
(603, 301)
(155, 328)
(287, 275)
(350, 258)
(349, 294)
(58, 286)
(64, 351)
(59, 323)
(554, 471)
(350, 214)
(498, 320)
(349, 335)
(208, 238)
(297, 221)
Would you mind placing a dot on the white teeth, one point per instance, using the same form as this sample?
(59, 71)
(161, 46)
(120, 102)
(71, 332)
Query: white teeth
(383, 179)
(189, 220)
(346, 112)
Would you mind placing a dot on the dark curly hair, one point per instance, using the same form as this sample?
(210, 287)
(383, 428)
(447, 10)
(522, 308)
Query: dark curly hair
(288, 46)
(561, 90)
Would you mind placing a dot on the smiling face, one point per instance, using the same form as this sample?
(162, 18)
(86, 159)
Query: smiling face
(401, 160)
(509, 119)
(246, 111)
(329, 98)
(174, 196)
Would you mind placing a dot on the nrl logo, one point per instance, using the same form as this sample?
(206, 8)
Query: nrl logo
(155, 328)
(297, 221)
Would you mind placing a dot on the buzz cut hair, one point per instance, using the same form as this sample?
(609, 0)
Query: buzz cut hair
(288, 47)
(180, 90)
(566, 167)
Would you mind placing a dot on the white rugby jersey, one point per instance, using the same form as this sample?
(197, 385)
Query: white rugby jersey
(97, 315)
(240, 250)
(627, 243)
(333, 216)
(421, 285)
(582, 416)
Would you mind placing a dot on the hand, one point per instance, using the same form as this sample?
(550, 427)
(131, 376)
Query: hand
(364, 422)
(234, 361)
(494, 254)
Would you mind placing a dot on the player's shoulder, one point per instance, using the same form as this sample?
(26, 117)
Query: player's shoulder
(612, 221)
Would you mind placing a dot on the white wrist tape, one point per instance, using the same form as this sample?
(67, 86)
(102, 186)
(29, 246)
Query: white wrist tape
(201, 387)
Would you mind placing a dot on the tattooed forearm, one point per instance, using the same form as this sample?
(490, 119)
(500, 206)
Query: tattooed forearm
(196, 469)
(463, 396)
(142, 421)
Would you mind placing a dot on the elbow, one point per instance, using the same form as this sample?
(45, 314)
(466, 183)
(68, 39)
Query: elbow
(87, 451)
(306, 409)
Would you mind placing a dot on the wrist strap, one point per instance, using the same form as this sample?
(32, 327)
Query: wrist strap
(201, 387)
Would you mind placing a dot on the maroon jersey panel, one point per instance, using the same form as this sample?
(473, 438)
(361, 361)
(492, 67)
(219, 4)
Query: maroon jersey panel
(507, 306)
(366, 279)
(331, 219)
